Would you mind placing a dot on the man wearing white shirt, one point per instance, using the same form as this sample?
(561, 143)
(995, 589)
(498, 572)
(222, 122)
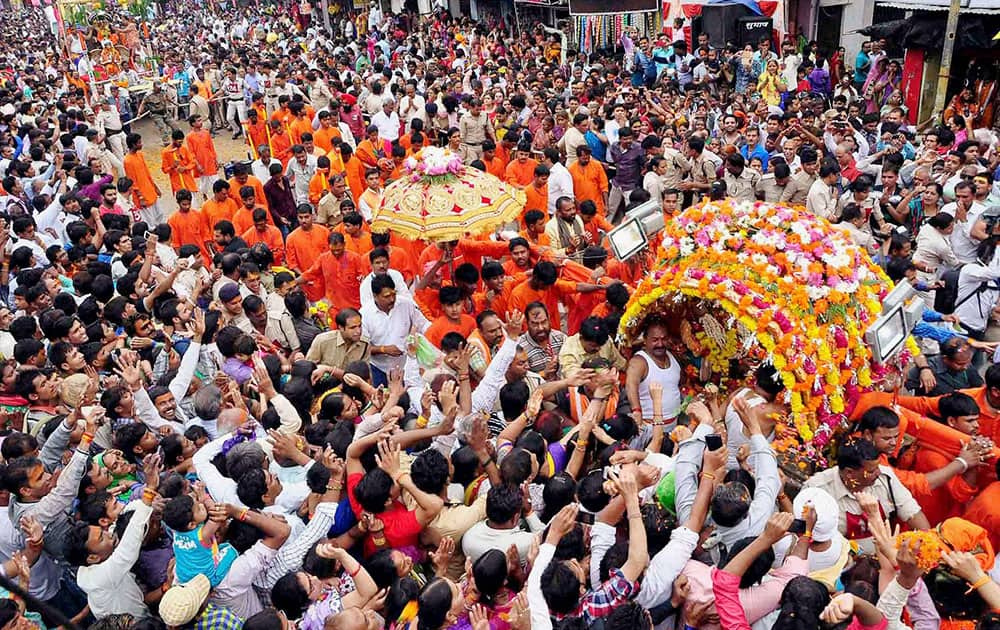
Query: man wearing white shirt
(387, 121)
(261, 167)
(386, 322)
(411, 106)
(969, 230)
(822, 198)
(560, 181)
(379, 258)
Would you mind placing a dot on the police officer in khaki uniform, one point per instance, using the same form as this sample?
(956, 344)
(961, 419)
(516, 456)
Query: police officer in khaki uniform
(157, 104)
(475, 129)
(741, 182)
(702, 172)
(772, 185)
(798, 186)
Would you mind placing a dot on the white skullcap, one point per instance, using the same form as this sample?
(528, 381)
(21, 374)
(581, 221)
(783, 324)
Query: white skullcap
(827, 512)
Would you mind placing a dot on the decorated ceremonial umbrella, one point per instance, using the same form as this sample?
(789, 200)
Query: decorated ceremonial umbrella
(773, 283)
(440, 199)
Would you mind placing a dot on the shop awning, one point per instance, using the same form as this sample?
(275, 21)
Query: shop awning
(968, 6)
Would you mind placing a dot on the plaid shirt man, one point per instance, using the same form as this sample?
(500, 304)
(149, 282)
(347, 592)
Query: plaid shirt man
(599, 602)
(217, 618)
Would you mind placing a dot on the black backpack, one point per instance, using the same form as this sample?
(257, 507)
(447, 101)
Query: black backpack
(946, 297)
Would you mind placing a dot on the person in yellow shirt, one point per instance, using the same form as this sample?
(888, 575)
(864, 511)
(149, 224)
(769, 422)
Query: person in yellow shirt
(593, 340)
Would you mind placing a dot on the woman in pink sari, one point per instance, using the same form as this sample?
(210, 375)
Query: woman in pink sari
(876, 76)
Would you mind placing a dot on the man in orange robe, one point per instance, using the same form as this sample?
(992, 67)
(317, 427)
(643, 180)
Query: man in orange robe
(452, 318)
(177, 161)
(262, 232)
(201, 145)
(281, 143)
(537, 192)
(145, 192)
(242, 177)
(495, 165)
(369, 149)
(307, 242)
(300, 124)
(337, 273)
(188, 226)
(589, 179)
(521, 170)
(256, 127)
(243, 217)
(328, 135)
(354, 172)
(221, 206)
(357, 237)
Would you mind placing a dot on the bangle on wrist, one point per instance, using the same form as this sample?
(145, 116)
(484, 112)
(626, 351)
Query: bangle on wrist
(356, 570)
(965, 465)
(707, 475)
(924, 367)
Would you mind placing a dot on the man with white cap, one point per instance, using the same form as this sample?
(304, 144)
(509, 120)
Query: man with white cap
(186, 605)
(829, 550)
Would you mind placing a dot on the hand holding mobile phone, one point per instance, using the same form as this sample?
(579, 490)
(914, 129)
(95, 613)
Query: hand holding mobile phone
(798, 527)
(713, 441)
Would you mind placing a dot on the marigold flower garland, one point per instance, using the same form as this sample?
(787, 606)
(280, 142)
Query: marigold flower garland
(799, 284)
(927, 546)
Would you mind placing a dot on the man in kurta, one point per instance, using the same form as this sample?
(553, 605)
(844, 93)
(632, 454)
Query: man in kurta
(221, 207)
(319, 185)
(242, 177)
(328, 134)
(357, 237)
(370, 149)
(305, 245)
(337, 273)
(256, 129)
(201, 145)
(177, 161)
(145, 192)
(545, 286)
(264, 232)
(243, 217)
(589, 179)
(354, 171)
(521, 170)
(188, 226)
(281, 143)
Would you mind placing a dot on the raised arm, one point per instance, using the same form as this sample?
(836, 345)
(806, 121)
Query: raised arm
(428, 505)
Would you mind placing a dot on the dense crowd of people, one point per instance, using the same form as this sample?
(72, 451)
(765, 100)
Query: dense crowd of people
(255, 412)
